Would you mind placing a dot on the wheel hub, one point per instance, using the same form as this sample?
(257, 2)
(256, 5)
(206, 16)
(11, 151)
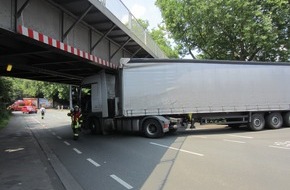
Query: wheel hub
(275, 120)
(257, 122)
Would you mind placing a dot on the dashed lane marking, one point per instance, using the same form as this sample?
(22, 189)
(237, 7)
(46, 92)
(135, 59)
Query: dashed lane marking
(280, 147)
(38, 122)
(77, 151)
(93, 162)
(241, 142)
(119, 180)
(177, 149)
(202, 137)
(241, 136)
(67, 143)
(59, 137)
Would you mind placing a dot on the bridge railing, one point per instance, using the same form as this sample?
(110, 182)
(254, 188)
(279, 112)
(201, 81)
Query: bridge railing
(118, 8)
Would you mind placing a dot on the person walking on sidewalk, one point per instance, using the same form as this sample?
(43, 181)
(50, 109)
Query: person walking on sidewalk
(42, 112)
(76, 118)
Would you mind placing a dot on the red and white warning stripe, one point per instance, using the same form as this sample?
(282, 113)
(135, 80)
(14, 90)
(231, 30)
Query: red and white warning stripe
(57, 44)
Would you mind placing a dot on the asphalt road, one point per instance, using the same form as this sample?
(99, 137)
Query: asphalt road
(212, 157)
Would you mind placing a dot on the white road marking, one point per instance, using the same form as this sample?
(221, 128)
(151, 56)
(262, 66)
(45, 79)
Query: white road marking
(67, 143)
(58, 137)
(93, 162)
(202, 137)
(53, 133)
(77, 151)
(240, 136)
(121, 181)
(234, 141)
(284, 144)
(38, 122)
(35, 119)
(14, 150)
(280, 147)
(178, 149)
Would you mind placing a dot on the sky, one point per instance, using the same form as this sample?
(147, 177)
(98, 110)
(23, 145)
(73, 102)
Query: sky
(146, 10)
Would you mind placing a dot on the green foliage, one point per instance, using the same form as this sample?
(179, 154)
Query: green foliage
(143, 23)
(4, 120)
(230, 29)
(21, 88)
(159, 36)
(5, 90)
(5, 99)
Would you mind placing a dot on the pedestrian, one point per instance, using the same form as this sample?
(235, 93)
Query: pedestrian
(76, 120)
(42, 112)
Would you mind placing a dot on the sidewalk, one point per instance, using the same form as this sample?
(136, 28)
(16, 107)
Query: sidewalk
(23, 163)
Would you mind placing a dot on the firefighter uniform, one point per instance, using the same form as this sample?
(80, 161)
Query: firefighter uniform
(76, 118)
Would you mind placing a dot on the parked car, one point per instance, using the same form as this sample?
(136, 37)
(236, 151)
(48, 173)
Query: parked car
(29, 109)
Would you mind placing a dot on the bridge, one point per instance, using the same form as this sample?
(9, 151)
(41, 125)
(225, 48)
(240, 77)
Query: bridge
(65, 41)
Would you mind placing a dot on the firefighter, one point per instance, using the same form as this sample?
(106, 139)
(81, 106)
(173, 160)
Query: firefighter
(76, 118)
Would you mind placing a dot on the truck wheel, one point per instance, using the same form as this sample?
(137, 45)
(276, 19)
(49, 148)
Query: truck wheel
(152, 128)
(257, 123)
(95, 126)
(274, 120)
(286, 118)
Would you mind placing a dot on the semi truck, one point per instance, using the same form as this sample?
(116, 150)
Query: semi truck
(152, 96)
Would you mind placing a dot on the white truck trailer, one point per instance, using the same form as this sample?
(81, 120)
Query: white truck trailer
(146, 94)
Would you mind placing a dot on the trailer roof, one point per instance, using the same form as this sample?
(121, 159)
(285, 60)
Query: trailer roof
(152, 60)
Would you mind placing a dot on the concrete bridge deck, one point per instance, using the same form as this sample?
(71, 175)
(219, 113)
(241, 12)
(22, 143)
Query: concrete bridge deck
(66, 40)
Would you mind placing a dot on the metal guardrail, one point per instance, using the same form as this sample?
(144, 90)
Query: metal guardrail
(118, 8)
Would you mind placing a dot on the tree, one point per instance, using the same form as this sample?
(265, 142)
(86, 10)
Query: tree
(5, 99)
(230, 29)
(159, 36)
(21, 88)
(5, 90)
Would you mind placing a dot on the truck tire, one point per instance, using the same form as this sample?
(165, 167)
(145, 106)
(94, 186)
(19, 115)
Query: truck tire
(152, 128)
(257, 123)
(286, 118)
(95, 126)
(274, 120)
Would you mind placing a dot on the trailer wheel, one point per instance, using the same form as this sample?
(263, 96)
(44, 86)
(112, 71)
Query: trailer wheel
(152, 128)
(274, 120)
(95, 126)
(257, 123)
(286, 118)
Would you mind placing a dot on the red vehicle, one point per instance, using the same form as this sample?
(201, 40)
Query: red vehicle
(29, 109)
(17, 106)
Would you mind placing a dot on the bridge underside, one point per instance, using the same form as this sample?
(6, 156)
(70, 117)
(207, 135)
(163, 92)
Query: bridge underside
(65, 41)
(36, 61)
